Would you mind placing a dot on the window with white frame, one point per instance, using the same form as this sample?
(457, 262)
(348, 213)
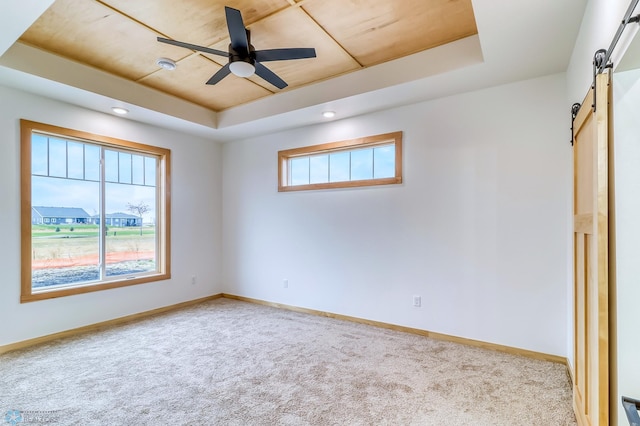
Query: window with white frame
(95, 212)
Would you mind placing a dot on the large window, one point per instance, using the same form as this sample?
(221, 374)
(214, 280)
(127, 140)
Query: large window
(95, 212)
(373, 160)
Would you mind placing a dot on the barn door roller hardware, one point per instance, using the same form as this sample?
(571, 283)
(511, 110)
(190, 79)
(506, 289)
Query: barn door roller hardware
(602, 57)
(599, 65)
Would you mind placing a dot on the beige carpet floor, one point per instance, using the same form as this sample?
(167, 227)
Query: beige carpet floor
(226, 362)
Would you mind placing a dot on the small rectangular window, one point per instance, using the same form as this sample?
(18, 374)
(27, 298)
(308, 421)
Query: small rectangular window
(95, 212)
(372, 160)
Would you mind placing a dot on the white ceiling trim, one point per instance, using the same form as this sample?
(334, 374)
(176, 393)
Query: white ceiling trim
(50, 67)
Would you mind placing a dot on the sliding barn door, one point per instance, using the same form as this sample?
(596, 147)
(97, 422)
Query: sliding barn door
(591, 283)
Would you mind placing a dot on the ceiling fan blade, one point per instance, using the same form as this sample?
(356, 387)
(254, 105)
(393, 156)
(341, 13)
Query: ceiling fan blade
(269, 76)
(284, 54)
(222, 73)
(193, 47)
(237, 31)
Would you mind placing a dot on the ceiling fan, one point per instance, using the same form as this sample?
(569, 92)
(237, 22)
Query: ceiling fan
(244, 60)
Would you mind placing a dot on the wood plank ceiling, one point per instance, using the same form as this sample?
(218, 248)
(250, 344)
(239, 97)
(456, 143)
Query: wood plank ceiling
(119, 37)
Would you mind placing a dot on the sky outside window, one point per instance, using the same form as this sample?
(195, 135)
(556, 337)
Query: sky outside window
(75, 155)
(111, 166)
(339, 164)
(76, 171)
(124, 163)
(150, 165)
(319, 169)
(384, 162)
(359, 164)
(299, 171)
(91, 162)
(39, 155)
(57, 157)
(362, 164)
(137, 164)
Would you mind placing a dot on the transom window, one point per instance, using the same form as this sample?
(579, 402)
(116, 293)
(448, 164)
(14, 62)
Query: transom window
(373, 160)
(94, 212)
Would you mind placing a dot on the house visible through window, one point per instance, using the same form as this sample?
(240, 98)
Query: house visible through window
(94, 212)
(374, 160)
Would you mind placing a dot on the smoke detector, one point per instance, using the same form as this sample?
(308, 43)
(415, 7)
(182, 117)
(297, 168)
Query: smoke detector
(166, 63)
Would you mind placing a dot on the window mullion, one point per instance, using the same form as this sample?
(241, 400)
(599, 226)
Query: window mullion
(159, 236)
(48, 158)
(103, 219)
(373, 163)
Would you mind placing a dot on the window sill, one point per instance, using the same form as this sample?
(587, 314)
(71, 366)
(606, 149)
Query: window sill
(345, 184)
(89, 288)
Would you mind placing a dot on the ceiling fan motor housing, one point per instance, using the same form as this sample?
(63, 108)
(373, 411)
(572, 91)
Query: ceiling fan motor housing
(242, 55)
(242, 63)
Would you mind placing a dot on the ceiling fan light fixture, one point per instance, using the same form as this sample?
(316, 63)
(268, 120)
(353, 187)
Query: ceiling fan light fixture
(120, 110)
(329, 114)
(166, 63)
(242, 68)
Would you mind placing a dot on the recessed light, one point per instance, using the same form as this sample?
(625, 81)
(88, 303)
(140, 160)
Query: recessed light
(329, 114)
(120, 110)
(166, 63)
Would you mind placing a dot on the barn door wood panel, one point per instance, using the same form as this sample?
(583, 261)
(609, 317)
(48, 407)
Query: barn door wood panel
(590, 258)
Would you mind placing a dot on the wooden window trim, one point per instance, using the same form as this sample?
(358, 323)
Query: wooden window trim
(346, 145)
(164, 226)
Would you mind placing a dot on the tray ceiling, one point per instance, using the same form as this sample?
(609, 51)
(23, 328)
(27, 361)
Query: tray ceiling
(119, 37)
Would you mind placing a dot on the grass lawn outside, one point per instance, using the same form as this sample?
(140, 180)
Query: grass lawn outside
(56, 247)
(65, 254)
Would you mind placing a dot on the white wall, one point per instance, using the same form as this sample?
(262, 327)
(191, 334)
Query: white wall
(196, 227)
(477, 229)
(627, 204)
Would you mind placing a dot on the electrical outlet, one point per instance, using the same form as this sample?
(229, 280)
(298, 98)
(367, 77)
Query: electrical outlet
(285, 283)
(193, 280)
(417, 301)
